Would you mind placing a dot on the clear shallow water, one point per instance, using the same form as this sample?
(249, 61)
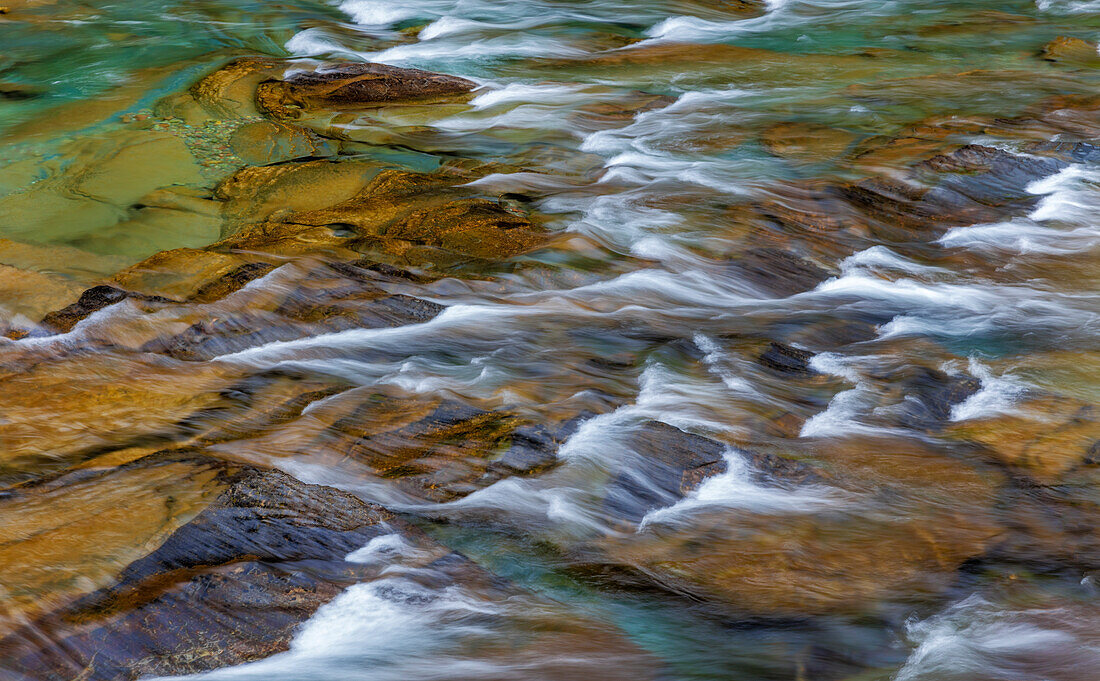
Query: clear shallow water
(649, 160)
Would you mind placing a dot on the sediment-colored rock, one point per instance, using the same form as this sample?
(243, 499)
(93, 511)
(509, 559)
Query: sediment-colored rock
(265, 142)
(70, 535)
(443, 450)
(1045, 438)
(231, 90)
(880, 524)
(27, 296)
(1073, 51)
(806, 142)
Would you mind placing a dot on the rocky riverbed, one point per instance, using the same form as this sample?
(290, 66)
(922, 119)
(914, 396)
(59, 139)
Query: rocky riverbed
(570, 340)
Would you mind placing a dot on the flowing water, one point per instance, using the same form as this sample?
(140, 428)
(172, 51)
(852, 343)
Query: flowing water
(903, 391)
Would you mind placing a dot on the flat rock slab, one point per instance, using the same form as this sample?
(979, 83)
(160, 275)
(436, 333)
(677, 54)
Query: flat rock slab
(227, 587)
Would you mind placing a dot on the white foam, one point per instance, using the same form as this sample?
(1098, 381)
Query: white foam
(371, 631)
(736, 489)
(377, 12)
(882, 258)
(314, 42)
(719, 364)
(841, 417)
(836, 365)
(998, 395)
(1071, 201)
(524, 93)
(1023, 236)
(516, 45)
(977, 639)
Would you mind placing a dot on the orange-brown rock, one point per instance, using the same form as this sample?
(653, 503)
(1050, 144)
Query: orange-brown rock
(229, 571)
(231, 90)
(70, 535)
(205, 570)
(806, 142)
(265, 142)
(424, 217)
(1048, 437)
(255, 194)
(1073, 51)
(898, 521)
(442, 450)
(104, 405)
(26, 296)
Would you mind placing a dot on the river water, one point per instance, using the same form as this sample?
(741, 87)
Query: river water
(939, 373)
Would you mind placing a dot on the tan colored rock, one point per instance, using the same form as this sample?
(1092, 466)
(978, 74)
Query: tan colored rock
(152, 230)
(255, 194)
(1049, 437)
(230, 91)
(806, 142)
(65, 538)
(80, 265)
(422, 211)
(265, 142)
(31, 295)
(146, 162)
(93, 190)
(56, 410)
(904, 518)
(1072, 51)
(177, 274)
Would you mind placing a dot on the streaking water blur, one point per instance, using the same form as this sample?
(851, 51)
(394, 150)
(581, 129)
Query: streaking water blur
(641, 152)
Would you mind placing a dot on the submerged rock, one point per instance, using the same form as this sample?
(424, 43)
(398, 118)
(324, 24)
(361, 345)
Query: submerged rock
(778, 272)
(27, 296)
(324, 299)
(265, 142)
(806, 142)
(787, 360)
(862, 527)
(443, 450)
(1074, 51)
(417, 218)
(1043, 437)
(970, 185)
(670, 464)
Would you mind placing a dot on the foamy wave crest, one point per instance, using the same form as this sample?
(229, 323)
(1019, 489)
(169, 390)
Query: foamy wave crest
(998, 394)
(977, 639)
(735, 488)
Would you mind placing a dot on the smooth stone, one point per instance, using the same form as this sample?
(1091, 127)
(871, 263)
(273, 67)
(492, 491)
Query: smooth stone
(1073, 51)
(443, 450)
(1047, 437)
(255, 194)
(806, 142)
(903, 520)
(778, 272)
(265, 142)
(230, 91)
(67, 536)
(27, 296)
(229, 586)
(107, 404)
(74, 263)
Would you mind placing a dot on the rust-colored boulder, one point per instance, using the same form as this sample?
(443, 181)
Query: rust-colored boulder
(355, 86)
